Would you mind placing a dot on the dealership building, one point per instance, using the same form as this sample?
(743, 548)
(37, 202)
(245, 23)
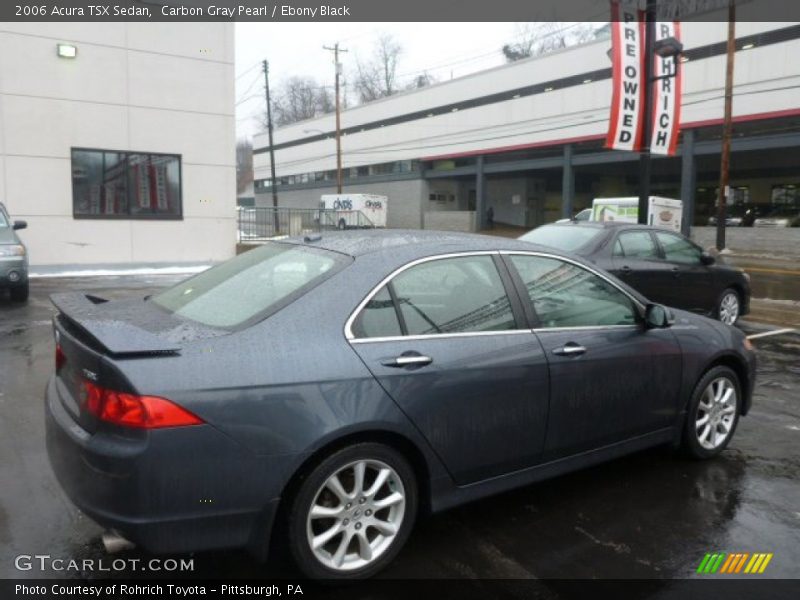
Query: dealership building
(527, 138)
(117, 141)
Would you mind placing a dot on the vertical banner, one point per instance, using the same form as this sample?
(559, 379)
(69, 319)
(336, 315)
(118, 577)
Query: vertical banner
(627, 101)
(666, 118)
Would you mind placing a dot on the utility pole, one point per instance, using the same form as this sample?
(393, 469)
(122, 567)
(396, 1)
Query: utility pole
(276, 223)
(724, 171)
(338, 66)
(644, 154)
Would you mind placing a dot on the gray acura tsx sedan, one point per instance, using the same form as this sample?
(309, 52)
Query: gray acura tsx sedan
(342, 385)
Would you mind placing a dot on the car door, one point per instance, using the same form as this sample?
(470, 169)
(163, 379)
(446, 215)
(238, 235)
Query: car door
(445, 340)
(636, 261)
(692, 285)
(610, 378)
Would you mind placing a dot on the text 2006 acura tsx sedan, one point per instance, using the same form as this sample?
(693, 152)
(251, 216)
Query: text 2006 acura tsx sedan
(342, 385)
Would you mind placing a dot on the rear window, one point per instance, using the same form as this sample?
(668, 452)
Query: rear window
(250, 286)
(562, 237)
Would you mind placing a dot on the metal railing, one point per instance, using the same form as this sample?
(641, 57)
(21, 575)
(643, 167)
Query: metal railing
(261, 223)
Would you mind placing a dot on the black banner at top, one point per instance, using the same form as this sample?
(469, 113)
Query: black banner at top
(379, 10)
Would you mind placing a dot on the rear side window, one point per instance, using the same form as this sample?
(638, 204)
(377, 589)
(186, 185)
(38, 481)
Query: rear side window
(250, 286)
(450, 295)
(453, 295)
(378, 318)
(636, 244)
(3, 221)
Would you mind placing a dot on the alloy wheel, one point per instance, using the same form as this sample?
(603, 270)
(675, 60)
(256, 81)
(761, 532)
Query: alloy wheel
(716, 413)
(729, 308)
(356, 515)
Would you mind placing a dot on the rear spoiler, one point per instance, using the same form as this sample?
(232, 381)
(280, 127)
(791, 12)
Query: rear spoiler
(118, 336)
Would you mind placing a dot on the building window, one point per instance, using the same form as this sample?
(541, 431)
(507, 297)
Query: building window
(786, 195)
(125, 185)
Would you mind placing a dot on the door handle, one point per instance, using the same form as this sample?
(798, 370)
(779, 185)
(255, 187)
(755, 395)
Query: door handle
(407, 361)
(676, 272)
(626, 270)
(570, 349)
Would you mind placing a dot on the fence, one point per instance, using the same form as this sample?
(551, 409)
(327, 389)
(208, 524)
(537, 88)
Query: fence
(265, 222)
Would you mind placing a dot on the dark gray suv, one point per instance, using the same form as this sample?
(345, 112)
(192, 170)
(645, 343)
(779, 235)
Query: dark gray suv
(13, 257)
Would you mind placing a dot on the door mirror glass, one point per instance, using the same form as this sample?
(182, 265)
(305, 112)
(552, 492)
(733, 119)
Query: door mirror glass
(707, 259)
(657, 316)
(20, 224)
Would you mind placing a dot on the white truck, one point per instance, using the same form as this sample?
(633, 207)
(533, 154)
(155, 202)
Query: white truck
(661, 212)
(354, 211)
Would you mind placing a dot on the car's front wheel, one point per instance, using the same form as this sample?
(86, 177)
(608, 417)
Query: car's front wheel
(729, 307)
(353, 513)
(713, 413)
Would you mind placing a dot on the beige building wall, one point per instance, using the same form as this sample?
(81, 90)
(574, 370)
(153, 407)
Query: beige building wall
(143, 87)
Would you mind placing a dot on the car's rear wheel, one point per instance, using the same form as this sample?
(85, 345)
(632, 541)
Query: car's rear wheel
(19, 293)
(729, 306)
(713, 413)
(353, 513)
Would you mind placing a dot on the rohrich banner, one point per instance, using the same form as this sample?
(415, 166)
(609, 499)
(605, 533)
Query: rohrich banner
(666, 92)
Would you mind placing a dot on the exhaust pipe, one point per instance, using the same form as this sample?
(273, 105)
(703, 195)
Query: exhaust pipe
(114, 543)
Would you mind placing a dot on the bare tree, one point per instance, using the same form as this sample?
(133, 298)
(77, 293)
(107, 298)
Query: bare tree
(535, 39)
(299, 98)
(244, 164)
(377, 78)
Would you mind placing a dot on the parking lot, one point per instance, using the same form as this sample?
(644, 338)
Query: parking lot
(650, 515)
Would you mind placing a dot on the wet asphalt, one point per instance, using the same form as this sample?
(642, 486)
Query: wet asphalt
(650, 515)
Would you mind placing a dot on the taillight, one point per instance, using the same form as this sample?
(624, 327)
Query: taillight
(130, 410)
(61, 358)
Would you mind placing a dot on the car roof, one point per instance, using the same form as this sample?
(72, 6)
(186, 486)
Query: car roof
(369, 241)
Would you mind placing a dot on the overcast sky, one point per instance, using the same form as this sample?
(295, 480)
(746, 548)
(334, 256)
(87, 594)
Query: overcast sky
(444, 50)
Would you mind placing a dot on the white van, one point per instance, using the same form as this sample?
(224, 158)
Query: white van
(352, 211)
(662, 212)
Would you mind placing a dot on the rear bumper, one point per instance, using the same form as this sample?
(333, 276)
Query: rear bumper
(178, 490)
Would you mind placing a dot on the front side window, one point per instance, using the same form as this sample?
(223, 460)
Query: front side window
(566, 295)
(676, 249)
(132, 185)
(636, 244)
(449, 295)
(249, 286)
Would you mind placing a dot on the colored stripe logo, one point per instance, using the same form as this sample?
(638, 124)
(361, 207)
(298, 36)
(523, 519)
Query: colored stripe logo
(734, 562)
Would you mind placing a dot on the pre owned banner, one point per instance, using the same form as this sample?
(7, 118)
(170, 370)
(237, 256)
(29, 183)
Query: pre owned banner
(627, 110)
(666, 119)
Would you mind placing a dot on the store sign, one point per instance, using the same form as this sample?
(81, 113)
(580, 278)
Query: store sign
(666, 95)
(627, 55)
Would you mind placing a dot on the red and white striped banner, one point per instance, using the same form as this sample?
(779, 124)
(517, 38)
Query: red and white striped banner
(626, 124)
(666, 118)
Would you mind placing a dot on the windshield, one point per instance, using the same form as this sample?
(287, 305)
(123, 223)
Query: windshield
(251, 285)
(562, 237)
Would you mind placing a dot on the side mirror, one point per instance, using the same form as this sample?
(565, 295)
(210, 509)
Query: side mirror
(707, 258)
(20, 224)
(657, 316)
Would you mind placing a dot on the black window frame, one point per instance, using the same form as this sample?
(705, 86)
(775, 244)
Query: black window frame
(128, 216)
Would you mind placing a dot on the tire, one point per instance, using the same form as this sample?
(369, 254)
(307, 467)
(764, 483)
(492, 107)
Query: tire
(353, 547)
(19, 293)
(710, 401)
(729, 306)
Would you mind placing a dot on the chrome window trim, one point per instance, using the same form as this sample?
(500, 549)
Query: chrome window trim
(460, 334)
(348, 333)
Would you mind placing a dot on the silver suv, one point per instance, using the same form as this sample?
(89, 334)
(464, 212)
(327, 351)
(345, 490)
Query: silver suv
(13, 257)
